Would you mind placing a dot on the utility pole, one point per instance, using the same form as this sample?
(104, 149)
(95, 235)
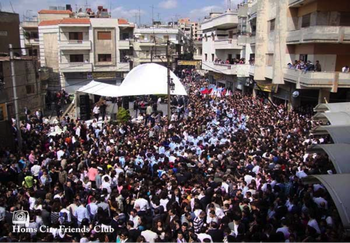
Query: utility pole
(15, 98)
(168, 78)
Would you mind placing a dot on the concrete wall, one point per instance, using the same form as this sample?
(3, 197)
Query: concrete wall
(9, 31)
(51, 50)
(65, 55)
(105, 46)
(28, 86)
(42, 17)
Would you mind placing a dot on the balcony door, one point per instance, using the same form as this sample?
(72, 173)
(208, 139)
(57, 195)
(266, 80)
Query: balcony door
(76, 36)
(230, 34)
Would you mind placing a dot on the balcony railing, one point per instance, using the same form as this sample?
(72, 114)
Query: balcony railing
(75, 45)
(75, 67)
(31, 41)
(241, 70)
(320, 34)
(123, 66)
(317, 79)
(228, 19)
(124, 45)
(226, 44)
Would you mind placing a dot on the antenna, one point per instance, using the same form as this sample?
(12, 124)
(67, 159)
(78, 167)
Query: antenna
(158, 14)
(152, 7)
(11, 6)
(139, 16)
(135, 16)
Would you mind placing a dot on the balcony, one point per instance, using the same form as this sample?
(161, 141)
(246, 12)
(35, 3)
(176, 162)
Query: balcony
(226, 44)
(299, 3)
(32, 41)
(30, 24)
(123, 66)
(226, 20)
(320, 34)
(241, 70)
(75, 45)
(317, 79)
(197, 57)
(73, 67)
(124, 45)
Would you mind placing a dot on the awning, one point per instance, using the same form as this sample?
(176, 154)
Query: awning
(339, 134)
(338, 186)
(102, 89)
(339, 154)
(335, 118)
(333, 107)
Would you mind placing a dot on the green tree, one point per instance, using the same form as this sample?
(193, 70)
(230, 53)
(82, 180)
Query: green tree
(123, 115)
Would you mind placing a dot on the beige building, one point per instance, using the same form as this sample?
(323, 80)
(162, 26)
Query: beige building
(278, 34)
(279, 44)
(78, 50)
(150, 45)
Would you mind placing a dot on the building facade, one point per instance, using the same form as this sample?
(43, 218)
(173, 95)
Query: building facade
(150, 45)
(79, 50)
(292, 51)
(298, 45)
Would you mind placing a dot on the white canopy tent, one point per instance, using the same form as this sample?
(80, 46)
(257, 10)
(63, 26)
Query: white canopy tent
(102, 89)
(150, 79)
(335, 118)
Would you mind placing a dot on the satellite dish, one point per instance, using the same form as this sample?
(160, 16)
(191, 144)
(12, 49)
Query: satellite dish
(296, 94)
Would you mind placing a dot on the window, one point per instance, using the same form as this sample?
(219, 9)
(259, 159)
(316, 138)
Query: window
(344, 19)
(272, 25)
(206, 57)
(303, 57)
(75, 35)
(230, 34)
(30, 89)
(306, 21)
(212, 57)
(104, 57)
(76, 58)
(104, 35)
(125, 36)
(269, 59)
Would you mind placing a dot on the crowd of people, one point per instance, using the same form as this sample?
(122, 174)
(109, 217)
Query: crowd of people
(224, 169)
(231, 61)
(308, 66)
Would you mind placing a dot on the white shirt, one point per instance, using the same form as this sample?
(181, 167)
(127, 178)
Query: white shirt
(203, 236)
(142, 203)
(313, 223)
(149, 235)
(81, 213)
(285, 231)
(35, 170)
(60, 153)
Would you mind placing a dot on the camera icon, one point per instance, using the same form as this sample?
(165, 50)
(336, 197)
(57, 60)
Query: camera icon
(20, 217)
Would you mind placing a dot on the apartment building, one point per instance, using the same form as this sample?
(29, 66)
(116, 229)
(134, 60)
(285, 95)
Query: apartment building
(150, 45)
(279, 35)
(9, 32)
(82, 49)
(223, 56)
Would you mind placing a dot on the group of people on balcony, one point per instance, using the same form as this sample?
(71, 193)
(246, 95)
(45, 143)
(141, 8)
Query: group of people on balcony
(305, 66)
(232, 61)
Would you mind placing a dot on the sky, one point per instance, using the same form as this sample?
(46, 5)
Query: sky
(165, 10)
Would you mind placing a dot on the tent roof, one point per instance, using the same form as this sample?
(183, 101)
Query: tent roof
(149, 79)
(337, 153)
(335, 118)
(102, 89)
(333, 107)
(338, 187)
(339, 134)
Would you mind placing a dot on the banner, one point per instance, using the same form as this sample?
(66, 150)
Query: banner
(188, 63)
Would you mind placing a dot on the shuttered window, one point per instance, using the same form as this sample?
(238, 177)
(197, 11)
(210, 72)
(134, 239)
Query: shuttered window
(75, 35)
(306, 21)
(104, 35)
(104, 57)
(76, 58)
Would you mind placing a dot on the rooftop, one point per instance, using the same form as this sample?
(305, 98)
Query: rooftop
(47, 11)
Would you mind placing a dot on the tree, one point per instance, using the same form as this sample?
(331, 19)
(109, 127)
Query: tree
(123, 115)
